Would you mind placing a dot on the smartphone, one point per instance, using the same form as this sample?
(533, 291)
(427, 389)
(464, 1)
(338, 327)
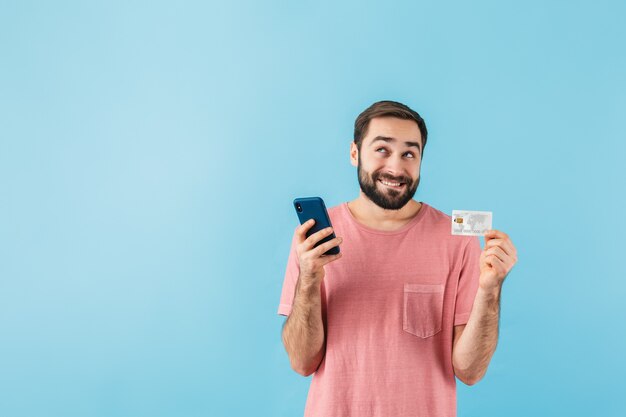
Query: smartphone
(314, 208)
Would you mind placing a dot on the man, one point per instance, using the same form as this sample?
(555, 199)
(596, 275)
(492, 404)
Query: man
(388, 323)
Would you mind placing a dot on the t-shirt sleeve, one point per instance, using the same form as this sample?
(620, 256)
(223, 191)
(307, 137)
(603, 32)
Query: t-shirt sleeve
(289, 283)
(468, 281)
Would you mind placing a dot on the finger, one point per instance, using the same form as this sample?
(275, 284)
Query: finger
(312, 240)
(302, 229)
(325, 247)
(326, 259)
(505, 244)
(318, 251)
(496, 263)
(497, 252)
(493, 233)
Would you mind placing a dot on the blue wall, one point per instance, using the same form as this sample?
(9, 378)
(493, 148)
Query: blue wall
(150, 151)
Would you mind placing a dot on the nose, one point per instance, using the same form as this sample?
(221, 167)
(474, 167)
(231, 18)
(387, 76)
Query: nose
(395, 168)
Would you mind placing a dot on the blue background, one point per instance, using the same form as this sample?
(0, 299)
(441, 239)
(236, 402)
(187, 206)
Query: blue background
(150, 152)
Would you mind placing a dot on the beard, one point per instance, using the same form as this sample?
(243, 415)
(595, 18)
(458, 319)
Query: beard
(388, 199)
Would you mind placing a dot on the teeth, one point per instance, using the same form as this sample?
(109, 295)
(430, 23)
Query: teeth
(393, 184)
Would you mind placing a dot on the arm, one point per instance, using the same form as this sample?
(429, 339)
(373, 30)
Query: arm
(475, 342)
(303, 331)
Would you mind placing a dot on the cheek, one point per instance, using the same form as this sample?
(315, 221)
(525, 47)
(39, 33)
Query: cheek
(371, 166)
(417, 170)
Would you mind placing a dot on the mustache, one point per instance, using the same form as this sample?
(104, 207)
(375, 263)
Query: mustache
(392, 179)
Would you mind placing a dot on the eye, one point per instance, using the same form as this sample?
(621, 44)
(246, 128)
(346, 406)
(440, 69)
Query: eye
(410, 153)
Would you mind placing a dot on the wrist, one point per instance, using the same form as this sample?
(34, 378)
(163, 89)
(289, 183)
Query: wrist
(491, 292)
(309, 287)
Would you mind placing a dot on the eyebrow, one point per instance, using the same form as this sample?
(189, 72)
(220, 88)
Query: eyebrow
(389, 140)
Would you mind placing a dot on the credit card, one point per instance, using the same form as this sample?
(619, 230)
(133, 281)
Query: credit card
(470, 223)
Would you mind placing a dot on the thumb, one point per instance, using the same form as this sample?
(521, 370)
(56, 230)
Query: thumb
(489, 234)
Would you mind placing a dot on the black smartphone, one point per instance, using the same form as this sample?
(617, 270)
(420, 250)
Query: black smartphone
(314, 208)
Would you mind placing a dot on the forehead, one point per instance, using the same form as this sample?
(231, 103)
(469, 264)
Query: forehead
(400, 129)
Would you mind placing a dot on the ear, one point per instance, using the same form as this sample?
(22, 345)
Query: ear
(354, 154)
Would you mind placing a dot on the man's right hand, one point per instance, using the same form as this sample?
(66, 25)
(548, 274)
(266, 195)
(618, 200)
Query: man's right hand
(311, 258)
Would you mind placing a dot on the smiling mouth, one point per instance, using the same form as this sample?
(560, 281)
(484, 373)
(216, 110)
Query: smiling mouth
(392, 184)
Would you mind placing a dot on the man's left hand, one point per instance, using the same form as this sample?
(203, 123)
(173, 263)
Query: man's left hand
(496, 260)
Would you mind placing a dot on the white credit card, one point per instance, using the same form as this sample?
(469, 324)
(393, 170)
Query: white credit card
(470, 223)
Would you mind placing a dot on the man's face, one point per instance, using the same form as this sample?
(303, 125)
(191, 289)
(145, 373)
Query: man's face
(389, 161)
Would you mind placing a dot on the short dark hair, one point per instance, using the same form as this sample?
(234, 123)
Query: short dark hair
(387, 108)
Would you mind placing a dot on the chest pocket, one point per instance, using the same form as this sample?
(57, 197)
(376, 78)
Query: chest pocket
(423, 309)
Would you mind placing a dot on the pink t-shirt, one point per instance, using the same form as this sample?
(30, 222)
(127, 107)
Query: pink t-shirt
(389, 305)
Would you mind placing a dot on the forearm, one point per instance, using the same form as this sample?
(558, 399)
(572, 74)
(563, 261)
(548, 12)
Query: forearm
(477, 344)
(303, 333)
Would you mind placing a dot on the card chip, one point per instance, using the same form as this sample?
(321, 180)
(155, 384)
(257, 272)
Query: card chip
(458, 220)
